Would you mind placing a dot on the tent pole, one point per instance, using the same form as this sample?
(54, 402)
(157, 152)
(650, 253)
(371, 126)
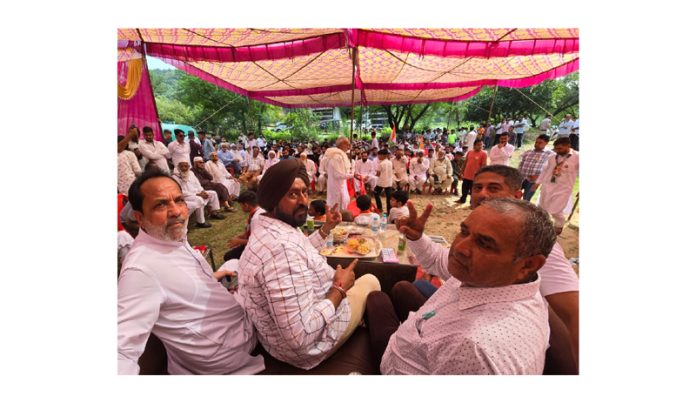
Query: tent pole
(490, 110)
(352, 98)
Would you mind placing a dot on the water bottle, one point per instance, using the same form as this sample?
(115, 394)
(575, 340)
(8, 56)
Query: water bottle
(329, 241)
(383, 223)
(375, 224)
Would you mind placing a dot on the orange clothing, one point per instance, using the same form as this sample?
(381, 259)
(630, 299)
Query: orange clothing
(474, 161)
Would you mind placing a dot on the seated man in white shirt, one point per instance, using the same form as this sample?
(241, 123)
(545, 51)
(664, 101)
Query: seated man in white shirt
(488, 317)
(559, 282)
(195, 196)
(366, 169)
(221, 175)
(302, 308)
(167, 288)
(418, 172)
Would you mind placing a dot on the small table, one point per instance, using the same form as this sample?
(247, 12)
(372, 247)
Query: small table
(387, 273)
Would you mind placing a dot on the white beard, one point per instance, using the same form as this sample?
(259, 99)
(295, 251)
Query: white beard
(162, 233)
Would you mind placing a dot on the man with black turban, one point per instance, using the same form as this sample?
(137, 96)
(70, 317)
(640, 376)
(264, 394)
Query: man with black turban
(303, 309)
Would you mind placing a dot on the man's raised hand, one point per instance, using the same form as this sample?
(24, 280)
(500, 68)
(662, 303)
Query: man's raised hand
(412, 226)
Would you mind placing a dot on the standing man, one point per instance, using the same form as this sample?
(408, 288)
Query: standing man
(166, 137)
(502, 152)
(196, 148)
(207, 144)
(566, 126)
(457, 168)
(128, 167)
(575, 135)
(155, 152)
(520, 125)
(557, 180)
(375, 142)
(531, 164)
(134, 144)
(474, 160)
(337, 172)
(302, 308)
(179, 149)
(470, 137)
(385, 172)
(167, 288)
(311, 169)
(545, 125)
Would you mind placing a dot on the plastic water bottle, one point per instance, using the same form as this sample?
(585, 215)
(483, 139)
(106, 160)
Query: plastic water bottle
(383, 223)
(375, 224)
(329, 241)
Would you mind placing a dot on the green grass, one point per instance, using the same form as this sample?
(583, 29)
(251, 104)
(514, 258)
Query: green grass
(216, 237)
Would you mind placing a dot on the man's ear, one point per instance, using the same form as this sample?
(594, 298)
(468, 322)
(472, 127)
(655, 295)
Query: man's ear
(530, 265)
(138, 217)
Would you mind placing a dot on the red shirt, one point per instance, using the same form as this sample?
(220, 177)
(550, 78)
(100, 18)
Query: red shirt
(474, 161)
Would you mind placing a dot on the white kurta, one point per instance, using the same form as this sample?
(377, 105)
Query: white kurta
(190, 189)
(337, 173)
(155, 152)
(555, 196)
(367, 171)
(179, 151)
(221, 175)
(399, 166)
(418, 170)
(501, 155)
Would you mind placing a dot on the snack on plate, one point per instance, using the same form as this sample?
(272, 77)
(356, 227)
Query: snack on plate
(358, 245)
(339, 234)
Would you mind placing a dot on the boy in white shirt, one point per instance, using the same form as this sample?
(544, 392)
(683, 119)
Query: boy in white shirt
(398, 206)
(385, 174)
(366, 215)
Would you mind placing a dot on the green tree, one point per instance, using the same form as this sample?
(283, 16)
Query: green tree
(174, 111)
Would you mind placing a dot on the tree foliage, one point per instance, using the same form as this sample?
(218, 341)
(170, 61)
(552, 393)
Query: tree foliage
(186, 99)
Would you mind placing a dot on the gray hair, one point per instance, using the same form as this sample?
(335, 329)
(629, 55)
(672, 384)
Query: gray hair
(513, 177)
(538, 235)
(342, 139)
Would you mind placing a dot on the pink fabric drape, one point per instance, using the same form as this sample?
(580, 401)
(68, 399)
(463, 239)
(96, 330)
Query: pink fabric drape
(139, 110)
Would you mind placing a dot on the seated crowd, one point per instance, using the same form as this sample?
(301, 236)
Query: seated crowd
(502, 277)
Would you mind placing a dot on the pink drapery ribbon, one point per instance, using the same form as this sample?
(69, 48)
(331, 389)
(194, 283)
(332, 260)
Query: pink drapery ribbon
(139, 110)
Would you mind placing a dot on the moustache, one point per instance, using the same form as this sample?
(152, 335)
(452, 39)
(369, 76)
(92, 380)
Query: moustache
(178, 220)
(301, 209)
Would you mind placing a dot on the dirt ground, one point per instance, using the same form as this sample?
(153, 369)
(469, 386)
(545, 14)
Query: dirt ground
(447, 214)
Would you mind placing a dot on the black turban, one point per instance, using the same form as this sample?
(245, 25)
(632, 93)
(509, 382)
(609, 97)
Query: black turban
(278, 179)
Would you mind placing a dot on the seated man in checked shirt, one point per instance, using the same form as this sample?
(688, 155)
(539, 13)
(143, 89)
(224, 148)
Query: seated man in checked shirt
(302, 308)
(488, 317)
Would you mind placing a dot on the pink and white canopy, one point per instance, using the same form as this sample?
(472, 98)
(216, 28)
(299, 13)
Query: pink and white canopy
(337, 67)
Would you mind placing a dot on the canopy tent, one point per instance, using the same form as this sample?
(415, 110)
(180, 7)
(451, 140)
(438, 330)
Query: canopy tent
(298, 68)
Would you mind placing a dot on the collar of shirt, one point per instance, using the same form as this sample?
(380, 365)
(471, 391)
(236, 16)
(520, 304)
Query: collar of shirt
(145, 237)
(470, 297)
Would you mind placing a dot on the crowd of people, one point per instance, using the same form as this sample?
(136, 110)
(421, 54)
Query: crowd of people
(502, 270)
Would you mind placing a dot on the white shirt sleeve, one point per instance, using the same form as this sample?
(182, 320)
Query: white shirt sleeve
(432, 256)
(557, 275)
(139, 299)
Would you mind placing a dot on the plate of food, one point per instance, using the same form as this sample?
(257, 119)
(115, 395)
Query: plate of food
(360, 247)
